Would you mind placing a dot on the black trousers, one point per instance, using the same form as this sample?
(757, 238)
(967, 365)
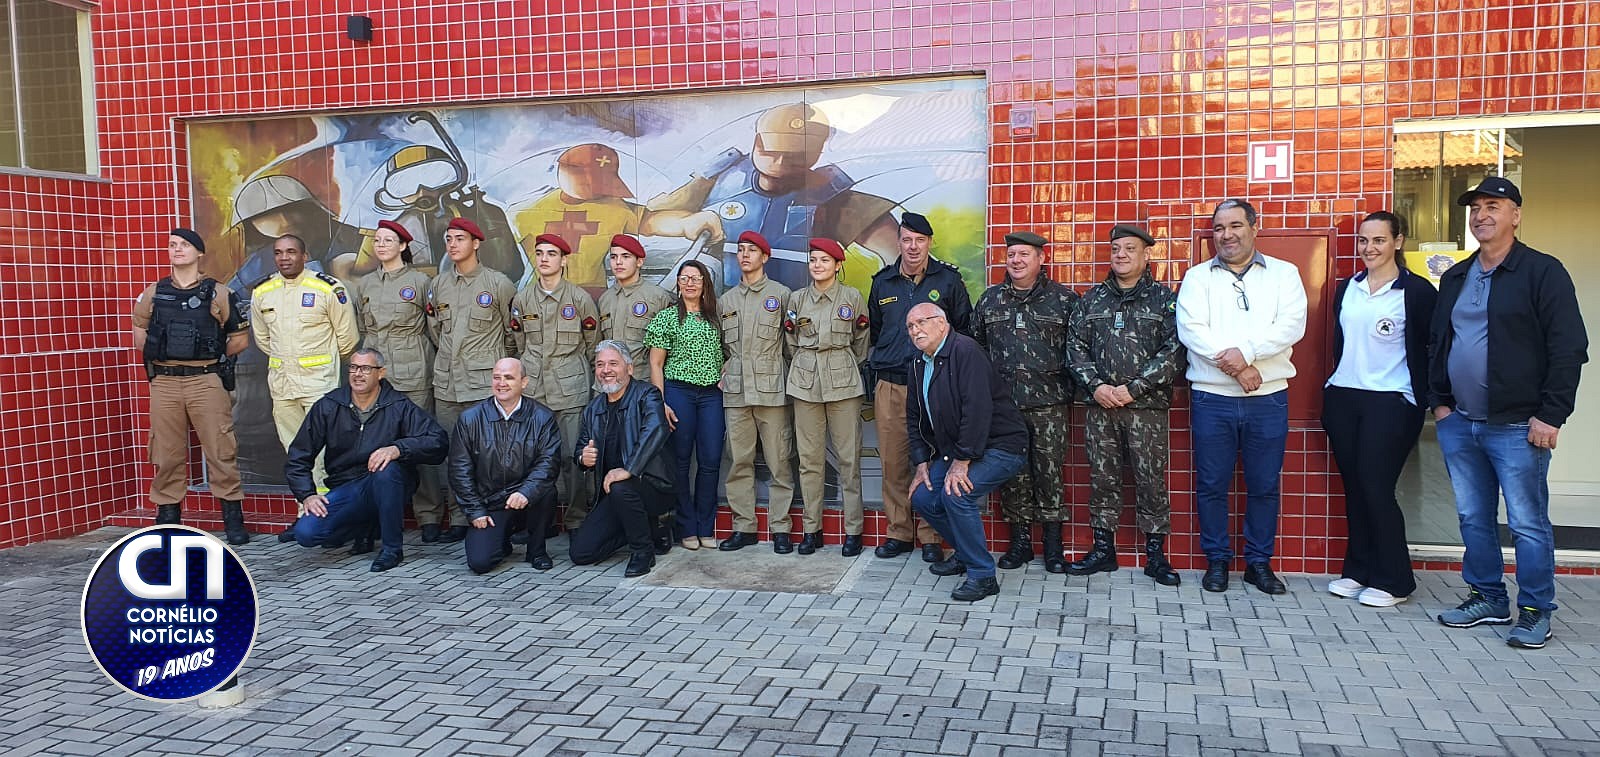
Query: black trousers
(629, 516)
(1371, 434)
(487, 547)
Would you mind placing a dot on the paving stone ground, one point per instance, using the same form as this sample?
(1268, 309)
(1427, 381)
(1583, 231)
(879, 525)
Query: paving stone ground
(430, 659)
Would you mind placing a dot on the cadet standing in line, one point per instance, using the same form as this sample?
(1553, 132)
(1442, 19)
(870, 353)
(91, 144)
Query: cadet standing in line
(827, 334)
(1022, 324)
(305, 324)
(753, 400)
(556, 327)
(627, 307)
(390, 304)
(186, 324)
(1126, 354)
(469, 310)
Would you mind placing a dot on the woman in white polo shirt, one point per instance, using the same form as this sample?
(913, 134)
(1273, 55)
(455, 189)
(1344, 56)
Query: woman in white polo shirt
(1372, 407)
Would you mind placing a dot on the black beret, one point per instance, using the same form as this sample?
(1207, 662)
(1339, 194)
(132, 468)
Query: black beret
(1128, 230)
(916, 222)
(1026, 237)
(191, 236)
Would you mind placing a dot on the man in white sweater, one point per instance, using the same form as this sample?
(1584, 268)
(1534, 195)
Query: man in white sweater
(1239, 314)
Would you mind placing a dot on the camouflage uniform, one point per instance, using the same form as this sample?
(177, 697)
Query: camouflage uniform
(1128, 337)
(1025, 334)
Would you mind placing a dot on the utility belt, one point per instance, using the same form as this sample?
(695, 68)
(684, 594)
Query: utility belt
(185, 370)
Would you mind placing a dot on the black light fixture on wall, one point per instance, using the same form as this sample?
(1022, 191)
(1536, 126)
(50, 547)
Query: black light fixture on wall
(359, 28)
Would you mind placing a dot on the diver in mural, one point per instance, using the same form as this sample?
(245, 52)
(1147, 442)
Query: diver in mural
(779, 191)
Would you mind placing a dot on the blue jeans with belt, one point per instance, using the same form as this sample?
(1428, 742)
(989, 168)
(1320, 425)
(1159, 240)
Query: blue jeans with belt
(959, 517)
(1224, 430)
(701, 431)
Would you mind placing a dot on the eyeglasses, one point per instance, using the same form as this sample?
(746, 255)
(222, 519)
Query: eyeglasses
(1244, 301)
(691, 279)
(917, 325)
(362, 370)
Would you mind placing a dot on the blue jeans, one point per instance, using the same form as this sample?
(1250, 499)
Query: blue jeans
(959, 518)
(1224, 429)
(701, 431)
(352, 507)
(1486, 460)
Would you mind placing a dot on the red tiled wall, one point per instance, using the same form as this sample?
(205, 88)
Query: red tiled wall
(1144, 108)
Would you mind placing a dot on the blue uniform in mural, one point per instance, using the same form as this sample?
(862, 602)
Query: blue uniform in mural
(786, 220)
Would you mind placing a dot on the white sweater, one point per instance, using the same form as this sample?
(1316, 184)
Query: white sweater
(1210, 320)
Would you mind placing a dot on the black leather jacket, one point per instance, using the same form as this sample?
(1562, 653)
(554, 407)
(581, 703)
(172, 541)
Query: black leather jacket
(333, 425)
(645, 453)
(491, 457)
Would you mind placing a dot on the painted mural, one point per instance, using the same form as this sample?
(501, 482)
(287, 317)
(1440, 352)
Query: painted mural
(686, 173)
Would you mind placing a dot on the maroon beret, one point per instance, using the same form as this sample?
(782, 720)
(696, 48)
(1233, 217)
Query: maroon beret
(834, 249)
(630, 243)
(554, 241)
(757, 240)
(467, 226)
(399, 231)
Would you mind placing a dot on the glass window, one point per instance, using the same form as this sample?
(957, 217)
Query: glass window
(45, 88)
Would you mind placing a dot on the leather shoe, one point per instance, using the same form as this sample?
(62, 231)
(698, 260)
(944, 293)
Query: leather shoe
(287, 535)
(932, 552)
(1216, 577)
(948, 567)
(362, 545)
(455, 534)
(810, 543)
(782, 544)
(430, 533)
(639, 564)
(739, 540)
(1260, 576)
(974, 589)
(663, 543)
(892, 548)
(386, 560)
(851, 546)
(541, 562)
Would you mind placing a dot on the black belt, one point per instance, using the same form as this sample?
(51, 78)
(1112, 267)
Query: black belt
(893, 377)
(185, 370)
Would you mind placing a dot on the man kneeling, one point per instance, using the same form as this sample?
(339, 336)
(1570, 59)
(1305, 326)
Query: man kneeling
(504, 455)
(623, 436)
(375, 438)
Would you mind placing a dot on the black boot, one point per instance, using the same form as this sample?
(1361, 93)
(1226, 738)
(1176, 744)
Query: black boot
(233, 522)
(1101, 559)
(169, 515)
(1155, 561)
(1020, 552)
(1055, 560)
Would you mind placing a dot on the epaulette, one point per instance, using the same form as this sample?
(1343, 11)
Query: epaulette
(263, 282)
(331, 281)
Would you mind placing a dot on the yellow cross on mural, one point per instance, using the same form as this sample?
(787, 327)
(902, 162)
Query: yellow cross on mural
(603, 160)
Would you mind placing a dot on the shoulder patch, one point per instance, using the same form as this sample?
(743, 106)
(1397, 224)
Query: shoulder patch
(933, 296)
(339, 292)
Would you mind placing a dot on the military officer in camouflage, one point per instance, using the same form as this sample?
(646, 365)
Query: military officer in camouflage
(469, 313)
(1126, 354)
(753, 401)
(556, 326)
(627, 307)
(1022, 324)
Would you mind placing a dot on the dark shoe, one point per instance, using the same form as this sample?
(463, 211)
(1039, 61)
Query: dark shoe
(287, 535)
(386, 560)
(948, 567)
(932, 552)
(1101, 559)
(892, 548)
(1055, 560)
(169, 515)
(541, 562)
(663, 543)
(1155, 561)
(430, 533)
(1020, 552)
(1216, 578)
(782, 544)
(810, 543)
(1260, 576)
(974, 589)
(362, 545)
(639, 564)
(851, 546)
(739, 540)
(553, 530)
(520, 537)
(455, 534)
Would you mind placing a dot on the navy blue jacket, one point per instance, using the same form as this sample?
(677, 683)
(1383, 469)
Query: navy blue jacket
(333, 425)
(972, 407)
(893, 295)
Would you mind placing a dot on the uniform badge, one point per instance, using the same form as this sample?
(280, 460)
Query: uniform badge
(887, 300)
(1172, 307)
(589, 324)
(1386, 327)
(639, 308)
(862, 322)
(1117, 322)
(771, 304)
(427, 309)
(408, 294)
(193, 303)
(788, 321)
(569, 312)
(340, 293)
(308, 300)
(933, 296)
(485, 299)
(516, 318)
(845, 313)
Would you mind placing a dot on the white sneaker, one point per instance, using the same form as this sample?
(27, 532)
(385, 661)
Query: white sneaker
(1348, 588)
(1378, 598)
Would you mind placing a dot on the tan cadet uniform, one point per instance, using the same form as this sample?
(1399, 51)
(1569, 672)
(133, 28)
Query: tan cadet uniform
(470, 319)
(555, 335)
(178, 403)
(304, 326)
(829, 340)
(390, 306)
(754, 403)
(624, 314)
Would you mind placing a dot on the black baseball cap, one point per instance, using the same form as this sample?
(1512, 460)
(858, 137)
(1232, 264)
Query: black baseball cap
(1493, 186)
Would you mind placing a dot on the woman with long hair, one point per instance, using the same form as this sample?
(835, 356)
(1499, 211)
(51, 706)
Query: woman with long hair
(686, 358)
(1372, 407)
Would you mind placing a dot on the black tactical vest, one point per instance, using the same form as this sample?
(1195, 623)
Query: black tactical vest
(181, 326)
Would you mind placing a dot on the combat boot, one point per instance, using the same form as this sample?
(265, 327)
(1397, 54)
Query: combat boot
(1021, 551)
(169, 514)
(1155, 561)
(1101, 559)
(1055, 560)
(233, 522)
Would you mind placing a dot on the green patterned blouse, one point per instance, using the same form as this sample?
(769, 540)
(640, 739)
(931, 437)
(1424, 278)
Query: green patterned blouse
(694, 348)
